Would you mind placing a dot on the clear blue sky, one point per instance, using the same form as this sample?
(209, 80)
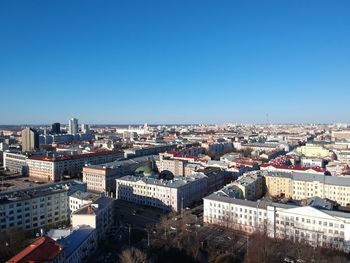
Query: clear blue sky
(174, 61)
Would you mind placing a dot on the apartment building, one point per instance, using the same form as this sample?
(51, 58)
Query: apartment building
(341, 135)
(98, 215)
(312, 162)
(101, 178)
(312, 224)
(251, 185)
(80, 199)
(15, 162)
(170, 195)
(217, 148)
(312, 150)
(51, 168)
(176, 167)
(298, 185)
(37, 207)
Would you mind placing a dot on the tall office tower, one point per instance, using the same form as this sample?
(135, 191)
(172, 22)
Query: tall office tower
(56, 128)
(30, 140)
(85, 128)
(73, 126)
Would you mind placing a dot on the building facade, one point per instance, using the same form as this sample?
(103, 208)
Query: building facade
(98, 215)
(30, 140)
(298, 186)
(64, 167)
(170, 195)
(101, 178)
(315, 226)
(73, 127)
(15, 162)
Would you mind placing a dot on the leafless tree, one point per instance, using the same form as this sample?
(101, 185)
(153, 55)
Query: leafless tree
(133, 255)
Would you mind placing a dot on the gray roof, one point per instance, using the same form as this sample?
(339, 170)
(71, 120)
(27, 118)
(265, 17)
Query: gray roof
(264, 203)
(311, 177)
(131, 161)
(84, 195)
(42, 190)
(96, 207)
(75, 239)
(174, 183)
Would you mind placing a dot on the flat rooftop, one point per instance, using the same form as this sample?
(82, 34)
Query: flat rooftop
(174, 183)
(126, 162)
(37, 190)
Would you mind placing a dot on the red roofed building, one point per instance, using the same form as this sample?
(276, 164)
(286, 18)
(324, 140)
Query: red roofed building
(43, 249)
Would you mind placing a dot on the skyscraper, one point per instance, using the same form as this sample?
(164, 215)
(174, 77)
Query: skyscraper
(30, 140)
(73, 126)
(85, 128)
(56, 128)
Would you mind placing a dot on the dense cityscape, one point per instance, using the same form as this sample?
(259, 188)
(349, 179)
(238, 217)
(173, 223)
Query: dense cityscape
(174, 131)
(81, 193)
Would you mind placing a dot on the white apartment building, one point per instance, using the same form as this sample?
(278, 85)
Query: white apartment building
(15, 162)
(170, 195)
(48, 168)
(80, 199)
(98, 215)
(36, 207)
(176, 167)
(316, 226)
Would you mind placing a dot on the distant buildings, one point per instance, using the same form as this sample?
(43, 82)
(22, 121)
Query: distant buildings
(151, 150)
(318, 226)
(30, 140)
(311, 150)
(49, 168)
(73, 126)
(170, 195)
(56, 128)
(85, 128)
(341, 135)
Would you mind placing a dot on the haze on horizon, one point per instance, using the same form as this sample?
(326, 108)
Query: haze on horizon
(174, 62)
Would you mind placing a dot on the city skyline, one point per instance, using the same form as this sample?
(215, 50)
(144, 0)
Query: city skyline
(183, 62)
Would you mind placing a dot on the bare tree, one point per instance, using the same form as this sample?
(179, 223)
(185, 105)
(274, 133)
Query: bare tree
(133, 255)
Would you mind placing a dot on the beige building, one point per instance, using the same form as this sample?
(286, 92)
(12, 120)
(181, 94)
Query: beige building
(100, 178)
(341, 135)
(297, 185)
(176, 167)
(311, 150)
(64, 167)
(30, 140)
(251, 185)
